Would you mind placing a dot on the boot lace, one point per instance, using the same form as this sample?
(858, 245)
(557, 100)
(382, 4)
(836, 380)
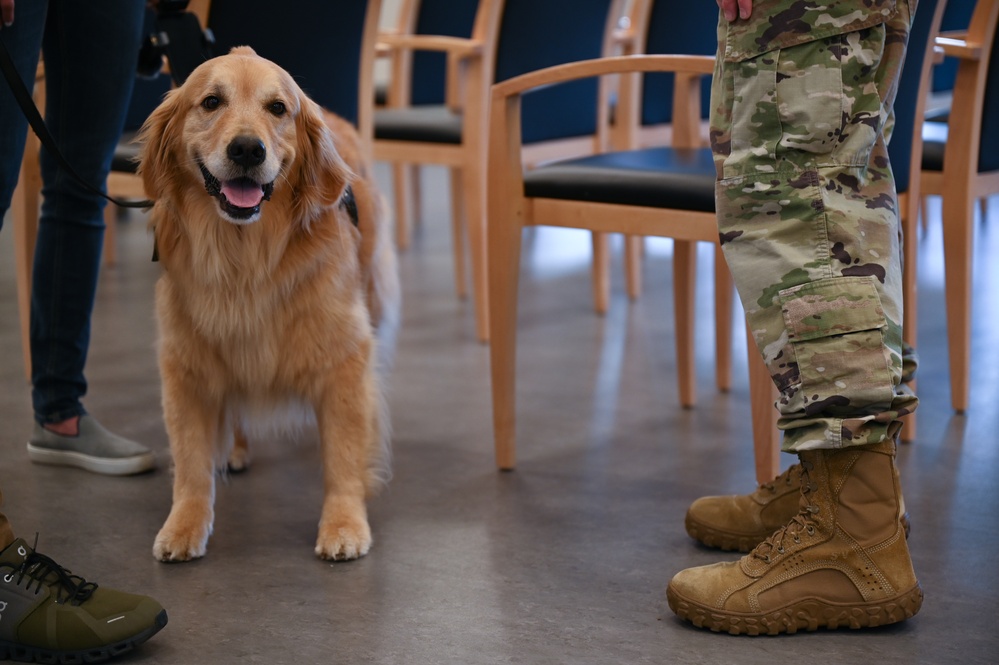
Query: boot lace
(41, 570)
(774, 545)
(784, 478)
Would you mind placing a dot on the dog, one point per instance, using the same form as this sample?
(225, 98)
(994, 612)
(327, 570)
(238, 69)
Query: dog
(277, 268)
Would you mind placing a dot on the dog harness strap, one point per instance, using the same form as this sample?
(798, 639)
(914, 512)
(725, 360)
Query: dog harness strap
(27, 104)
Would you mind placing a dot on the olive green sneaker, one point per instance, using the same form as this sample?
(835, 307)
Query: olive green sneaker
(48, 615)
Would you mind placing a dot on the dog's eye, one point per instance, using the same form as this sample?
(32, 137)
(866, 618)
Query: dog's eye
(210, 103)
(277, 108)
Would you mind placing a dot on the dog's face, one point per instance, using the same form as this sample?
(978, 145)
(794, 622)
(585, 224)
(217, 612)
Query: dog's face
(242, 127)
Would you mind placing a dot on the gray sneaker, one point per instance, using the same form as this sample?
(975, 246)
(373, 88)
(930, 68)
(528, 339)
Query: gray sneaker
(94, 449)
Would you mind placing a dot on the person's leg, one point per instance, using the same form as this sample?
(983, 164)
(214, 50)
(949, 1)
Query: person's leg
(90, 58)
(743, 521)
(90, 54)
(808, 220)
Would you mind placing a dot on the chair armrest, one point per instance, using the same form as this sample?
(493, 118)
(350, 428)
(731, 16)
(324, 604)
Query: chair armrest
(454, 46)
(957, 45)
(622, 64)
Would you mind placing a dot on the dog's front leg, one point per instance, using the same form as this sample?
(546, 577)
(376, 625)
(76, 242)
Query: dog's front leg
(193, 428)
(345, 414)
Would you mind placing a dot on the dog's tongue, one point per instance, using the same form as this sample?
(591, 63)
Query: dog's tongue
(243, 192)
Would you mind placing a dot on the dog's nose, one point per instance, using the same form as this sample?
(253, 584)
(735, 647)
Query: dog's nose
(247, 151)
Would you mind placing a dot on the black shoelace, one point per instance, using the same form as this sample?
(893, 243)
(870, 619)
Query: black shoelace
(43, 571)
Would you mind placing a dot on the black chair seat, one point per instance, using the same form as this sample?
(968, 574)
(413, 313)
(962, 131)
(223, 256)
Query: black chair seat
(427, 124)
(652, 177)
(934, 144)
(126, 154)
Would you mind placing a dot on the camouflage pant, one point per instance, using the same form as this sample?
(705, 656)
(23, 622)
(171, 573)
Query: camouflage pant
(807, 209)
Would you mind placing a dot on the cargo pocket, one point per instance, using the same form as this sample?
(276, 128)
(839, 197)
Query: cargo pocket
(787, 79)
(836, 332)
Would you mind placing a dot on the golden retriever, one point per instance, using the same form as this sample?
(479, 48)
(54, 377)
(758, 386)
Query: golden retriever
(276, 267)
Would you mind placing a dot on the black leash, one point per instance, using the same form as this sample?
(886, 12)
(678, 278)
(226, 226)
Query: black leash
(27, 105)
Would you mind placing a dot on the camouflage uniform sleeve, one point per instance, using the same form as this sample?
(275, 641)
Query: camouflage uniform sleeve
(807, 210)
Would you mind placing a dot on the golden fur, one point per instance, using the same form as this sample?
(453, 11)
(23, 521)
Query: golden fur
(261, 309)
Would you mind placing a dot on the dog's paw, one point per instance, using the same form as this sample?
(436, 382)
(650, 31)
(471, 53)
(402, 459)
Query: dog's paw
(239, 456)
(182, 538)
(344, 539)
(239, 460)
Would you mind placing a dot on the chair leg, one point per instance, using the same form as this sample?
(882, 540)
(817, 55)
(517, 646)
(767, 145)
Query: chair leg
(458, 223)
(601, 272)
(684, 281)
(723, 322)
(473, 178)
(633, 257)
(762, 395)
(25, 210)
(415, 193)
(504, 271)
(958, 236)
(110, 234)
(401, 186)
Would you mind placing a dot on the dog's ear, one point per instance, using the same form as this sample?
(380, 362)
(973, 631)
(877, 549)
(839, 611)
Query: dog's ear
(159, 138)
(320, 174)
(159, 164)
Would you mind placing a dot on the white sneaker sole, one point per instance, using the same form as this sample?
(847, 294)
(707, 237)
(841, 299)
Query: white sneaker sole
(108, 466)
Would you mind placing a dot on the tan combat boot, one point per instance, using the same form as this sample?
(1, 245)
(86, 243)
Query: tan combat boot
(841, 561)
(742, 522)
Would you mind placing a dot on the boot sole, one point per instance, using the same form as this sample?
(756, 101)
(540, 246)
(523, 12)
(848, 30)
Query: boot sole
(807, 615)
(26, 654)
(108, 466)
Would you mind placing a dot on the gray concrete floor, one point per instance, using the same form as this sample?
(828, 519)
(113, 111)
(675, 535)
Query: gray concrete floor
(564, 560)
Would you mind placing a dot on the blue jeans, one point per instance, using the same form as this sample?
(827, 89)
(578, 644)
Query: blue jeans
(90, 57)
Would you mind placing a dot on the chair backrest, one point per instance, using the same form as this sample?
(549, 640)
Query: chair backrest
(324, 44)
(534, 34)
(451, 18)
(913, 87)
(673, 28)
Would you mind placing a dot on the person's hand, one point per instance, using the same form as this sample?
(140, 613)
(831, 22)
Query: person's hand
(7, 11)
(733, 9)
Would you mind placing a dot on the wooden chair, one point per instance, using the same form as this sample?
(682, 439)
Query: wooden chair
(962, 167)
(667, 191)
(509, 37)
(427, 79)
